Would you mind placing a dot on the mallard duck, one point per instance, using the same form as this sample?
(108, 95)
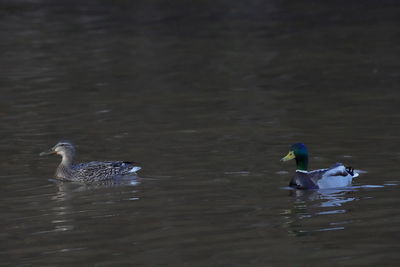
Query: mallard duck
(335, 176)
(89, 172)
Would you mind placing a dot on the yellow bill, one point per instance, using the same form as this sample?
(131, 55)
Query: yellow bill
(289, 156)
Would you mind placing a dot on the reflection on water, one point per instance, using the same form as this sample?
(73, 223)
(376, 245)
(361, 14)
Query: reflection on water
(65, 186)
(325, 197)
(309, 204)
(68, 192)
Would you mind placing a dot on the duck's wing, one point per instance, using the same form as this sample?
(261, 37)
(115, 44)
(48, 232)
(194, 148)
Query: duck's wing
(337, 175)
(121, 167)
(104, 170)
(339, 169)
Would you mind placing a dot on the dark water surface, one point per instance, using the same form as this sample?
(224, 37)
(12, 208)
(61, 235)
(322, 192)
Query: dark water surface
(207, 96)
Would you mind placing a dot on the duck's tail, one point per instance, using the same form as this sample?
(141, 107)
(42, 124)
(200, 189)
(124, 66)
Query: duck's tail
(352, 172)
(135, 169)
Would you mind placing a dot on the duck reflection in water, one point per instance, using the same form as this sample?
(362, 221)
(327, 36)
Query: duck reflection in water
(70, 202)
(324, 197)
(309, 207)
(70, 187)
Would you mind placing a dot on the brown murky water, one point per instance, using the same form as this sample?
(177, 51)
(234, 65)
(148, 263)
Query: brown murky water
(207, 96)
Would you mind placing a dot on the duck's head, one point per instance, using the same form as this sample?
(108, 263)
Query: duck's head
(299, 152)
(62, 148)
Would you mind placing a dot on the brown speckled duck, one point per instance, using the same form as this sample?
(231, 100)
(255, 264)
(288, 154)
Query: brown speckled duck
(95, 171)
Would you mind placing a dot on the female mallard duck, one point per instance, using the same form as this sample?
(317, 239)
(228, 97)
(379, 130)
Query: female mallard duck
(89, 172)
(336, 176)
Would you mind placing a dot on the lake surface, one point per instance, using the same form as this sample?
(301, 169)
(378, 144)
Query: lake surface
(206, 96)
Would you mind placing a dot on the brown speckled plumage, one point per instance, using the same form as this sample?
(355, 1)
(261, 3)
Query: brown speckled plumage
(95, 171)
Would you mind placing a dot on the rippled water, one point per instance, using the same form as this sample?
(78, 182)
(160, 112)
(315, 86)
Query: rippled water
(207, 96)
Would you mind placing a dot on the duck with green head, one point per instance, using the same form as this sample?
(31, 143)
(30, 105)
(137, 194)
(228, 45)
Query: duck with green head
(336, 176)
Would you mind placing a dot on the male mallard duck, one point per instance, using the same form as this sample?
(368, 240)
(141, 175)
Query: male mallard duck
(89, 172)
(336, 176)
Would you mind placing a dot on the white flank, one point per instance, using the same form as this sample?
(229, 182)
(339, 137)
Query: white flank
(135, 169)
(330, 180)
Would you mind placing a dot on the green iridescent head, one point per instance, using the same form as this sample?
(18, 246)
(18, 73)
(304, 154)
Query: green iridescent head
(299, 152)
